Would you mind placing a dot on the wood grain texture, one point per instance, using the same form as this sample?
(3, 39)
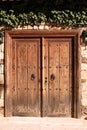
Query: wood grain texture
(25, 88)
(58, 89)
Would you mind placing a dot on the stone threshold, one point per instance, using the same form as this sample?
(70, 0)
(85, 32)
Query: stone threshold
(37, 123)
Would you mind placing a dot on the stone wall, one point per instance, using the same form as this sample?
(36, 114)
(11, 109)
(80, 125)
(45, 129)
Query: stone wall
(83, 72)
(84, 79)
(2, 79)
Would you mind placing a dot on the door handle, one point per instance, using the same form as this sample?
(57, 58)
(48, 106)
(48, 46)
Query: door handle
(52, 77)
(32, 76)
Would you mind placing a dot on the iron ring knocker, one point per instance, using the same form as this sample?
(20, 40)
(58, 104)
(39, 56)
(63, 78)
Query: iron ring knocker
(52, 77)
(32, 77)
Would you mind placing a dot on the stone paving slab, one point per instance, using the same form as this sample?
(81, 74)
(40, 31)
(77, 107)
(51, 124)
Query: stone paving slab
(31, 123)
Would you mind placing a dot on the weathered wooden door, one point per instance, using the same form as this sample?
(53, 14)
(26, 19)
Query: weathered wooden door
(41, 77)
(57, 77)
(25, 77)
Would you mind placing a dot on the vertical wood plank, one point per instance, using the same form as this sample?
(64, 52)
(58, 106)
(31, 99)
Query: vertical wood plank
(34, 85)
(65, 79)
(44, 77)
(21, 77)
(14, 78)
(53, 93)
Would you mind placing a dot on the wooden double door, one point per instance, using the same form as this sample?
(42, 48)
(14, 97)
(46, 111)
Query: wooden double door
(42, 77)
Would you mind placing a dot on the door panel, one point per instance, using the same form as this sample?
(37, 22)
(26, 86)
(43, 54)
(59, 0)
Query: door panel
(26, 91)
(58, 89)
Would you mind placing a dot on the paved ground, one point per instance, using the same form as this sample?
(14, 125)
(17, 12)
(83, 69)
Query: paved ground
(30, 123)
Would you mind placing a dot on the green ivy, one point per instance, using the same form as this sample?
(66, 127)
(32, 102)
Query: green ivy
(69, 18)
(59, 18)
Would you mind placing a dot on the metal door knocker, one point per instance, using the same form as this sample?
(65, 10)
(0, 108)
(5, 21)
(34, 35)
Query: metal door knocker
(32, 77)
(52, 77)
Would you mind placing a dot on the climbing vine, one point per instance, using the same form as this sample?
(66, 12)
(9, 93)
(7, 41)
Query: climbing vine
(69, 18)
(66, 18)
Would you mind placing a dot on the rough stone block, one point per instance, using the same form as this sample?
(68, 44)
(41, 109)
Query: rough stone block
(1, 47)
(25, 27)
(84, 76)
(41, 27)
(1, 69)
(84, 66)
(20, 28)
(1, 78)
(1, 96)
(84, 93)
(35, 27)
(46, 27)
(1, 112)
(84, 60)
(1, 91)
(29, 27)
(1, 103)
(1, 55)
(83, 80)
(84, 52)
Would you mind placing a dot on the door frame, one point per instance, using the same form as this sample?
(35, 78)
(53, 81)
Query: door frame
(74, 34)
